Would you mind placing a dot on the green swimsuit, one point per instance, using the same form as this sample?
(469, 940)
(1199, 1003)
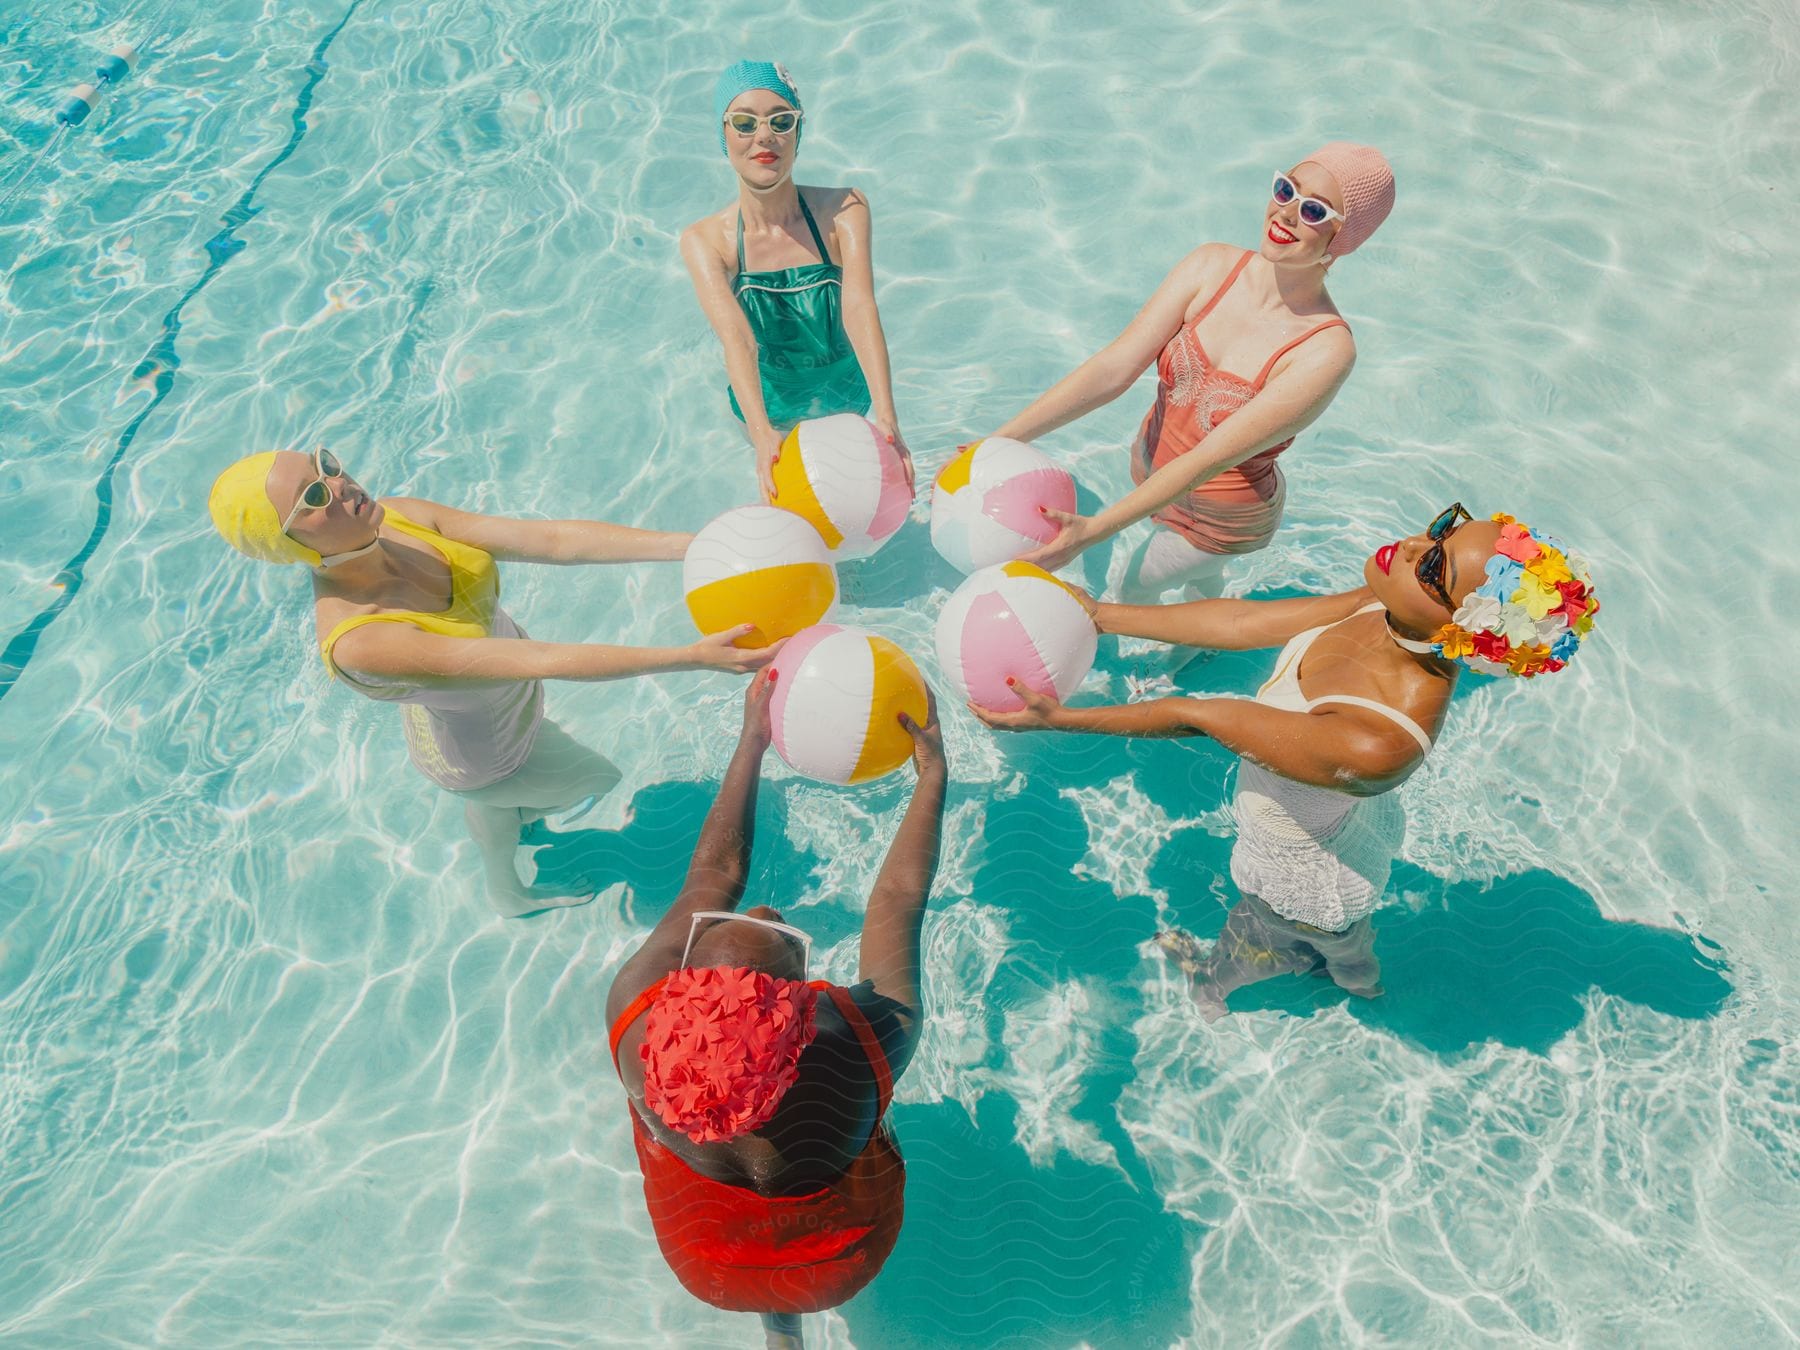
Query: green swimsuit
(803, 355)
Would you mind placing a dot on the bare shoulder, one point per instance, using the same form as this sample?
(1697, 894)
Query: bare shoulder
(331, 610)
(416, 509)
(833, 207)
(1203, 271)
(1335, 346)
(1406, 687)
(710, 234)
(1212, 262)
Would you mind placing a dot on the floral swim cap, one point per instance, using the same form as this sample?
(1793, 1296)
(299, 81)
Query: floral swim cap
(1531, 613)
(721, 1047)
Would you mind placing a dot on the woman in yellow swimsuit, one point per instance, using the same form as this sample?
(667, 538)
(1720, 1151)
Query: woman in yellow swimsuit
(406, 600)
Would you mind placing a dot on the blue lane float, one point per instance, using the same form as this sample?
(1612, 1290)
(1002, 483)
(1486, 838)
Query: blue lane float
(76, 107)
(81, 101)
(116, 64)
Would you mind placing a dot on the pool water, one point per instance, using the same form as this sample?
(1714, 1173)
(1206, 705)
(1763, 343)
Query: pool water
(273, 1074)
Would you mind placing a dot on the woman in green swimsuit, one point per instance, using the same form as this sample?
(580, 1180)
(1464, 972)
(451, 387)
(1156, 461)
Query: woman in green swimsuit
(801, 333)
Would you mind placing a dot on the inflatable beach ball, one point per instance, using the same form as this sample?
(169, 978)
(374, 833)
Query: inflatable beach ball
(760, 565)
(841, 475)
(985, 503)
(838, 695)
(1018, 620)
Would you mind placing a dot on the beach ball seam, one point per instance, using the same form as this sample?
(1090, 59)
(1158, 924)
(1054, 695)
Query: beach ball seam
(843, 478)
(839, 690)
(760, 565)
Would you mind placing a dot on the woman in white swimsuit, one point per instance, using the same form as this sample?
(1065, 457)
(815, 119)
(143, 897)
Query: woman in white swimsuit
(1356, 700)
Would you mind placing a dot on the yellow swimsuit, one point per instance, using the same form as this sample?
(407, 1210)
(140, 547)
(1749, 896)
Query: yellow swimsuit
(460, 737)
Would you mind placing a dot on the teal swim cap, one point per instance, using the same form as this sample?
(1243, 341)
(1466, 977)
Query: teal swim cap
(747, 75)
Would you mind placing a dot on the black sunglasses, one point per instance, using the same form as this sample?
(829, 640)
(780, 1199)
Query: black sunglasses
(1430, 567)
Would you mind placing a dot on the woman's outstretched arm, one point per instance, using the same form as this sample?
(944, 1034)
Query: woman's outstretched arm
(398, 650)
(896, 912)
(1229, 625)
(721, 863)
(862, 320)
(546, 541)
(1341, 747)
(1110, 371)
(712, 279)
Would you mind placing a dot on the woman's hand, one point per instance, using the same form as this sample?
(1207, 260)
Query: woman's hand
(757, 732)
(1038, 714)
(718, 653)
(928, 740)
(891, 429)
(1075, 532)
(768, 450)
(1089, 605)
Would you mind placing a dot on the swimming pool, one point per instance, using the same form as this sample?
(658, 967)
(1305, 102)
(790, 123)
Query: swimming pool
(273, 1074)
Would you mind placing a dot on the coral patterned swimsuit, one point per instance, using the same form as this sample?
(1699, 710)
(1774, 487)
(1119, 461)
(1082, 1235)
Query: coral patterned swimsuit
(1237, 509)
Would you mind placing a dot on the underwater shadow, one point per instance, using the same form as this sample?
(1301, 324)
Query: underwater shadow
(906, 568)
(999, 1248)
(651, 851)
(1510, 961)
(998, 1251)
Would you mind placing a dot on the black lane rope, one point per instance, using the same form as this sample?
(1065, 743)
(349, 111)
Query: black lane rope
(158, 368)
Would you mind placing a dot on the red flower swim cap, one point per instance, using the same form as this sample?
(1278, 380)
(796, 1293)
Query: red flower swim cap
(721, 1047)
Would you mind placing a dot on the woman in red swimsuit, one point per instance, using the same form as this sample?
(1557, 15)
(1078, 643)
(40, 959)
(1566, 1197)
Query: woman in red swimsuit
(756, 1095)
(1214, 484)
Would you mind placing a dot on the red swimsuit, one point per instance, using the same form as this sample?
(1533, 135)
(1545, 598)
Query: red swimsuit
(746, 1252)
(1236, 510)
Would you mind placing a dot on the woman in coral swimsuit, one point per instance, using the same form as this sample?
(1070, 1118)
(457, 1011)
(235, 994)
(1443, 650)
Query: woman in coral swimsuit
(757, 1096)
(1247, 336)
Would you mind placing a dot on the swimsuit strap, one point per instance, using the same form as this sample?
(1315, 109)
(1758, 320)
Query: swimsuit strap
(1219, 294)
(847, 1009)
(473, 594)
(871, 1044)
(824, 254)
(1280, 352)
(740, 237)
(1393, 715)
(634, 1010)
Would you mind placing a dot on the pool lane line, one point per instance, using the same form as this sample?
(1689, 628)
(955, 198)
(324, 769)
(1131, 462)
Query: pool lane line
(158, 368)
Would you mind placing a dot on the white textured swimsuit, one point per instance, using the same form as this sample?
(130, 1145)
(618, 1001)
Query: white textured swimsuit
(1314, 854)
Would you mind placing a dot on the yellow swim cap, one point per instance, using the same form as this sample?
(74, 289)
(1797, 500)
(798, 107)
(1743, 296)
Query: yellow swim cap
(244, 515)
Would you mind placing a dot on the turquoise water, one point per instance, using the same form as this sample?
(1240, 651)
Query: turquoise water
(273, 1075)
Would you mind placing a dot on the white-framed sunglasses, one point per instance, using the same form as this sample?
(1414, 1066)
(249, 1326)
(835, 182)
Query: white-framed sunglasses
(782, 123)
(701, 918)
(317, 494)
(1312, 210)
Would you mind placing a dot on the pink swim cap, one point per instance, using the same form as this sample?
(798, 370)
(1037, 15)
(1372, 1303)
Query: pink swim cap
(1368, 183)
(721, 1047)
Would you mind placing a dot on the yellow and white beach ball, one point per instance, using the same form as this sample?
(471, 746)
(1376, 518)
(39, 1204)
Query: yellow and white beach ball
(985, 503)
(1014, 620)
(841, 474)
(838, 696)
(760, 565)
